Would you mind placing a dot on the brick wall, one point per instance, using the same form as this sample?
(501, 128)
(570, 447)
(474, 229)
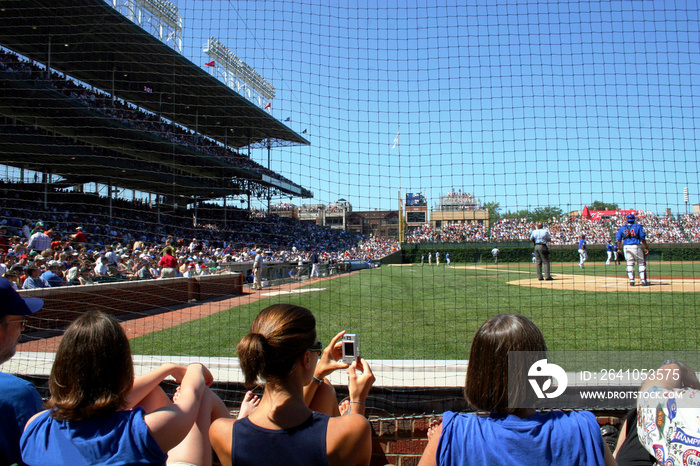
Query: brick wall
(401, 440)
(63, 304)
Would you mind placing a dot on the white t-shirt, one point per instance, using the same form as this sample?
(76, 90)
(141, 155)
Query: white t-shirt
(668, 425)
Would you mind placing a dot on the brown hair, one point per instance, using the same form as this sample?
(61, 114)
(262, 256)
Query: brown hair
(487, 386)
(278, 336)
(93, 371)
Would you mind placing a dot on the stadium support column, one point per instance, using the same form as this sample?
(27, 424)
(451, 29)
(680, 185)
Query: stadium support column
(225, 211)
(48, 59)
(194, 217)
(109, 196)
(45, 182)
(269, 153)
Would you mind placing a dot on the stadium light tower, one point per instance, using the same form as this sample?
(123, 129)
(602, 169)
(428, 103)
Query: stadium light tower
(161, 16)
(237, 74)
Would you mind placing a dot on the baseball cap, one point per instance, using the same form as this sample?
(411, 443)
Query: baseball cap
(630, 218)
(15, 305)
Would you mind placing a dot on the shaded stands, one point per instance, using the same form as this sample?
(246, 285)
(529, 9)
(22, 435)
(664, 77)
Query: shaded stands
(90, 41)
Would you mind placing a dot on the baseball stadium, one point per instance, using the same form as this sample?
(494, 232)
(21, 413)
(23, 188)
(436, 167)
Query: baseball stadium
(406, 171)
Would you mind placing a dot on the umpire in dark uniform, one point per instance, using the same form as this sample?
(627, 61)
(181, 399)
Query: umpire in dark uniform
(541, 237)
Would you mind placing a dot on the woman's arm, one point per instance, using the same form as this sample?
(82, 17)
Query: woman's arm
(169, 425)
(220, 435)
(327, 364)
(349, 440)
(609, 458)
(145, 384)
(359, 385)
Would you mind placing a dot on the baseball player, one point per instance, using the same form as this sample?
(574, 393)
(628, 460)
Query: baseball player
(447, 258)
(495, 252)
(430, 258)
(257, 269)
(437, 258)
(422, 260)
(609, 250)
(630, 238)
(582, 254)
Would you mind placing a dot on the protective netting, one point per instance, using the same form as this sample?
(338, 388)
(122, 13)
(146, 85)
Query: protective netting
(309, 131)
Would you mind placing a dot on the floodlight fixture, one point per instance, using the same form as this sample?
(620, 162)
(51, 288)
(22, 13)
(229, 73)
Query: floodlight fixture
(161, 16)
(233, 67)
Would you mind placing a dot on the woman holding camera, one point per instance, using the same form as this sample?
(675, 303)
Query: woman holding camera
(282, 349)
(514, 432)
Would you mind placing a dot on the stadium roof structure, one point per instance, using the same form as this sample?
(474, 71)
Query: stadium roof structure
(91, 41)
(49, 132)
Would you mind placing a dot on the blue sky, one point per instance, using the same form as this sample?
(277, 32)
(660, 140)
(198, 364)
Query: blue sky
(525, 103)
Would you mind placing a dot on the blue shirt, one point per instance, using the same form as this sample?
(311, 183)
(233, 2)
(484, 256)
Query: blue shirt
(582, 243)
(553, 438)
(609, 247)
(52, 279)
(631, 233)
(540, 236)
(19, 401)
(117, 439)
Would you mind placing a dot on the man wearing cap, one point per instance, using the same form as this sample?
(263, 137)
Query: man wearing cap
(540, 237)
(257, 269)
(13, 275)
(314, 265)
(19, 400)
(53, 274)
(582, 253)
(79, 236)
(630, 238)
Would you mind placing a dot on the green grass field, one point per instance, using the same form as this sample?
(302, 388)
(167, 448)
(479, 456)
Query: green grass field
(414, 312)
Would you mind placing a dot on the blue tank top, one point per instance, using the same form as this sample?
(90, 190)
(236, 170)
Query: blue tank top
(304, 445)
(117, 439)
(554, 438)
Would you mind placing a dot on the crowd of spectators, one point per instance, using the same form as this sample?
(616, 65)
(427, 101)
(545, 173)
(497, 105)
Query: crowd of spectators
(128, 114)
(283, 207)
(565, 230)
(458, 200)
(76, 240)
(449, 233)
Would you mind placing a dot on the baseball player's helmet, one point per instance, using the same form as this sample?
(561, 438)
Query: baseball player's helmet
(630, 218)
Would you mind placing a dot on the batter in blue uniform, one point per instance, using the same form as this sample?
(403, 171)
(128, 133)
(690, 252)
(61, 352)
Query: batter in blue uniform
(609, 250)
(582, 254)
(630, 238)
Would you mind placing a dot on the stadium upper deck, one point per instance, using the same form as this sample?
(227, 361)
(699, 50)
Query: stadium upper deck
(90, 41)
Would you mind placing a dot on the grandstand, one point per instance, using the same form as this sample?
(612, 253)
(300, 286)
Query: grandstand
(139, 116)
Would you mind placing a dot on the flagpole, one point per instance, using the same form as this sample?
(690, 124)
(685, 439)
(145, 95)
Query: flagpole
(401, 222)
